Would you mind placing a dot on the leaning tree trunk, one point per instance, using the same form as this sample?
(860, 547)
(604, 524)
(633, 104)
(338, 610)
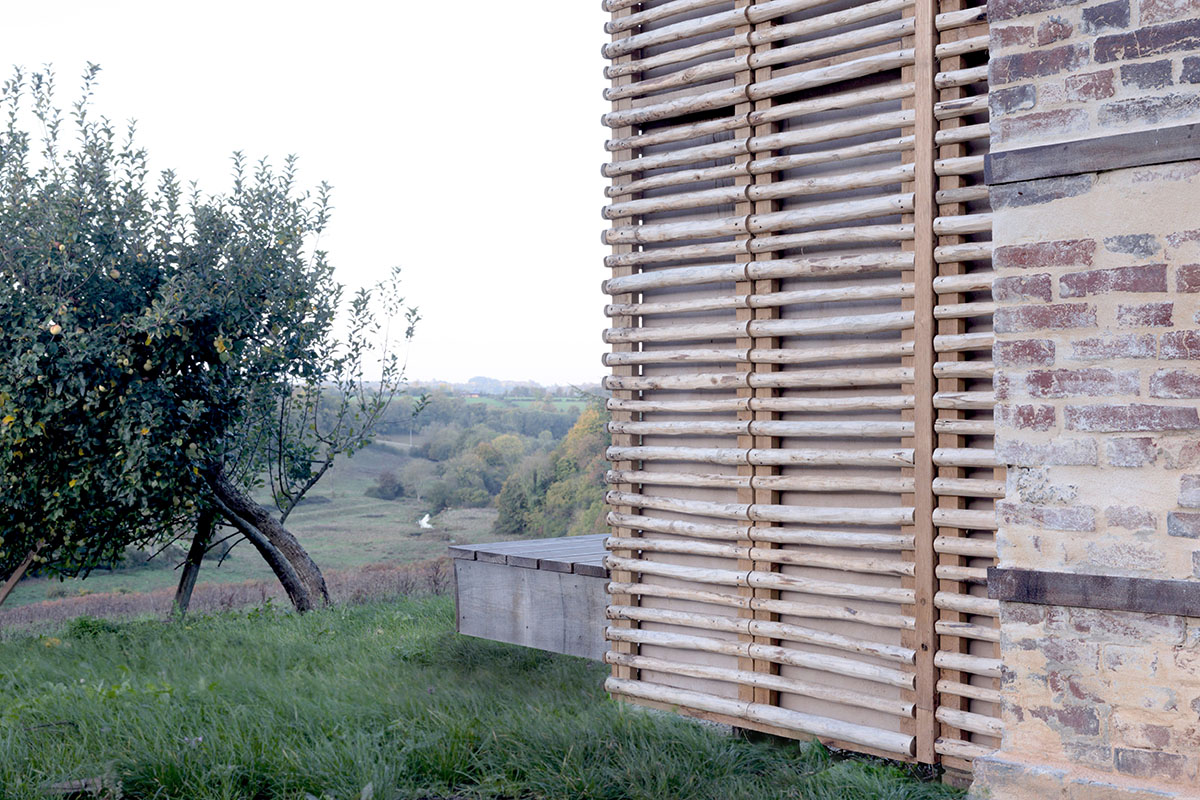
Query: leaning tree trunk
(15, 578)
(299, 574)
(205, 526)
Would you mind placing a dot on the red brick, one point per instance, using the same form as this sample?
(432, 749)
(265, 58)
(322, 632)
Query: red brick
(1133, 417)
(1023, 288)
(1180, 238)
(1150, 41)
(1064, 452)
(1187, 278)
(1077, 720)
(1175, 384)
(1055, 29)
(1037, 63)
(1043, 123)
(1125, 627)
(1189, 491)
(1148, 278)
(1011, 36)
(1026, 417)
(1064, 253)
(1145, 315)
(1106, 348)
(1133, 452)
(1132, 518)
(1090, 86)
(1081, 382)
(1181, 345)
(1008, 9)
(1156, 11)
(1059, 316)
(1023, 353)
(1053, 518)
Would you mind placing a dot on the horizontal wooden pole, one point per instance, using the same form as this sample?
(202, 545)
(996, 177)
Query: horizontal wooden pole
(770, 715)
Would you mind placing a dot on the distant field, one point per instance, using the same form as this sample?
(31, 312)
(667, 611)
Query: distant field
(341, 528)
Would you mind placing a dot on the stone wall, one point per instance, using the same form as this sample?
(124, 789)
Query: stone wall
(1097, 361)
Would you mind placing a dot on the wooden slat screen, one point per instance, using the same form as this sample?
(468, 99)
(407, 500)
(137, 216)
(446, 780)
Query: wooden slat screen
(799, 304)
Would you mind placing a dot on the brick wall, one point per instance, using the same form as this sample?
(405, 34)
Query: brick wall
(1066, 70)
(1097, 360)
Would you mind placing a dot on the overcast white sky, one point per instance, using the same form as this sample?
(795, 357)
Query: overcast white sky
(462, 140)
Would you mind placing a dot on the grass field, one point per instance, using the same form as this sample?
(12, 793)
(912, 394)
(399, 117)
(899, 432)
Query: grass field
(375, 701)
(342, 529)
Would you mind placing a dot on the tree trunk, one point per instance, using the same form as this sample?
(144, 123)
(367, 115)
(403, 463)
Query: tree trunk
(15, 578)
(301, 577)
(205, 526)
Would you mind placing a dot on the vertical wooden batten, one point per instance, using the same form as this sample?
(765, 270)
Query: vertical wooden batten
(924, 582)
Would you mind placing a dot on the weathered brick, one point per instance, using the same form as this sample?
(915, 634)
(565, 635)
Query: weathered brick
(1073, 720)
(1003, 36)
(1139, 451)
(1189, 72)
(1132, 518)
(1152, 75)
(1091, 382)
(1106, 348)
(1026, 417)
(1189, 491)
(1155, 11)
(1133, 417)
(1055, 316)
(1142, 279)
(1023, 353)
(1180, 345)
(1106, 17)
(1140, 244)
(1175, 384)
(1023, 288)
(1014, 98)
(1145, 315)
(1196, 574)
(1063, 253)
(1183, 524)
(1125, 627)
(1064, 452)
(1089, 86)
(1037, 63)
(1054, 29)
(1008, 9)
(1150, 110)
(1054, 518)
(1044, 123)
(1154, 764)
(1180, 238)
(1187, 278)
(1150, 41)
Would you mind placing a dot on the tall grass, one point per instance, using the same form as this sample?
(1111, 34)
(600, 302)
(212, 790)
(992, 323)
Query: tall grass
(381, 701)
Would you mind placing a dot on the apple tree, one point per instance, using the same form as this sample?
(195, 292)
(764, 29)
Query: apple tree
(164, 352)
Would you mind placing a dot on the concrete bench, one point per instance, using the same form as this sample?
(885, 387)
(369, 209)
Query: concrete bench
(542, 593)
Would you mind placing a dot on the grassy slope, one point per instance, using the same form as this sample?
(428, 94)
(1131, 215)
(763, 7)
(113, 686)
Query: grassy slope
(351, 530)
(277, 706)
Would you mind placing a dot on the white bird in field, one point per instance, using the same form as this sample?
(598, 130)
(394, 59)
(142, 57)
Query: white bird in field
(424, 522)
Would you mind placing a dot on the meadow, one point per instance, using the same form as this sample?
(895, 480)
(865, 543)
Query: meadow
(373, 701)
(342, 528)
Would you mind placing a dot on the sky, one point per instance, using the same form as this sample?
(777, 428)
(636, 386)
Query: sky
(462, 140)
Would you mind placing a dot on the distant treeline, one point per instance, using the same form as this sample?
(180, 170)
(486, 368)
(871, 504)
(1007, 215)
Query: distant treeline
(540, 461)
